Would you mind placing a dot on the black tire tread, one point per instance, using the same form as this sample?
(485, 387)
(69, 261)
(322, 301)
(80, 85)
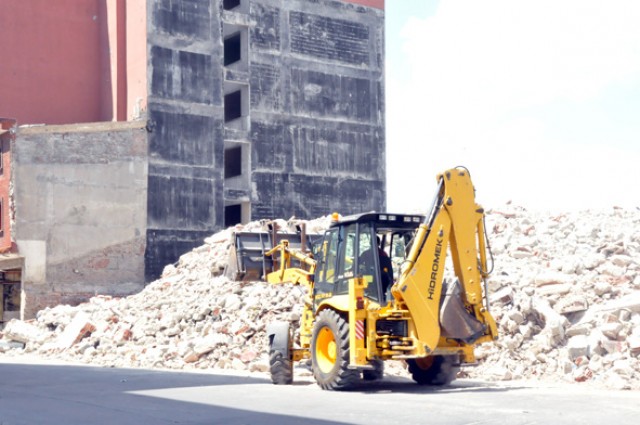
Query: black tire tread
(281, 368)
(441, 372)
(376, 374)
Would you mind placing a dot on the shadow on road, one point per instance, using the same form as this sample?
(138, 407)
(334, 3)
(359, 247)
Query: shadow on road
(61, 394)
(393, 384)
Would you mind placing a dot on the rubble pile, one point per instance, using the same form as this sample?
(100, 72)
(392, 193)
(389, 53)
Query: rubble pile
(565, 293)
(192, 317)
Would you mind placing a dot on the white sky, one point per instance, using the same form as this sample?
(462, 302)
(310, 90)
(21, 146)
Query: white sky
(539, 99)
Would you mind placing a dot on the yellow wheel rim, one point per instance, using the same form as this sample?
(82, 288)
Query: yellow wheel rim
(424, 363)
(326, 350)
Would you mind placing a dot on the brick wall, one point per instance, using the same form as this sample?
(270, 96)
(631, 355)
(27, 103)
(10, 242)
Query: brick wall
(80, 198)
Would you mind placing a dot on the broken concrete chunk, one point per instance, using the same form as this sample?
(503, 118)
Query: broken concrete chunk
(611, 347)
(629, 302)
(24, 332)
(578, 329)
(611, 329)
(10, 345)
(502, 296)
(551, 278)
(553, 322)
(601, 288)
(572, 304)
(80, 327)
(578, 346)
(516, 316)
(634, 344)
(582, 374)
(621, 260)
(591, 261)
(554, 289)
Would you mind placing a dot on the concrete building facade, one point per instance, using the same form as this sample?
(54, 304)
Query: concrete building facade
(229, 111)
(261, 109)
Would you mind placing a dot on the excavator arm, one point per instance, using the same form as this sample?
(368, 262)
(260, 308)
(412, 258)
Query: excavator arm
(454, 225)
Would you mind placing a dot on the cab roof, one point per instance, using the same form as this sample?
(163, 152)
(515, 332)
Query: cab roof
(383, 219)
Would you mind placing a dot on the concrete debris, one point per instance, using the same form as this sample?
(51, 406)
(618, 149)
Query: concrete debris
(192, 317)
(10, 345)
(565, 294)
(79, 328)
(577, 296)
(22, 332)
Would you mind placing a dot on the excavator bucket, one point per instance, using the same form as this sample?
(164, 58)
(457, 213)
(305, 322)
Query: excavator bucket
(247, 261)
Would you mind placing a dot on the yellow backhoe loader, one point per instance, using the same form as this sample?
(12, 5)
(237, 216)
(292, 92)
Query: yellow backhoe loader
(376, 291)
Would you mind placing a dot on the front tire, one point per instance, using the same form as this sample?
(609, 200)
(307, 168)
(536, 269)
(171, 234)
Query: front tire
(330, 352)
(433, 370)
(280, 362)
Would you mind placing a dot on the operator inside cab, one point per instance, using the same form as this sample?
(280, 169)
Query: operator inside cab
(367, 263)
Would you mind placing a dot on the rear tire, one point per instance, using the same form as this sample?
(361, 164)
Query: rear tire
(330, 352)
(280, 362)
(281, 368)
(375, 374)
(433, 370)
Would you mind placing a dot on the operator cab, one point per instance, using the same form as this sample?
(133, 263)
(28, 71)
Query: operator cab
(372, 245)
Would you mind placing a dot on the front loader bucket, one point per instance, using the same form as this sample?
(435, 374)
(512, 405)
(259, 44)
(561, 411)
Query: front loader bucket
(247, 261)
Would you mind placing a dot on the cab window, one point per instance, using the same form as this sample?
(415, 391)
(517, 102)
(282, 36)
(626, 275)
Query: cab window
(326, 272)
(367, 260)
(347, 256)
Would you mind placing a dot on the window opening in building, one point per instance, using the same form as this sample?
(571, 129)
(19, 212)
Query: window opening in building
(232, 106)
(232, 162)
(232, 215)
(230, 4)
(232, 50)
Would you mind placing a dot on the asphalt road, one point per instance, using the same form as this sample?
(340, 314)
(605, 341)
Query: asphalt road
(65, 394)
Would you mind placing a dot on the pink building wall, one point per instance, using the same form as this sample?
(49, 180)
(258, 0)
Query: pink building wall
(379, 4)
(66, 61)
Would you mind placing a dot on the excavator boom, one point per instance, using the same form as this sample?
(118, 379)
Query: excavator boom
(455, 224)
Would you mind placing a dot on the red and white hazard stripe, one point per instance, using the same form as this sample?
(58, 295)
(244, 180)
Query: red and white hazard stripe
(359, 329)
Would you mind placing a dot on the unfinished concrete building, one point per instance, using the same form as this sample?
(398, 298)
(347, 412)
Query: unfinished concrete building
(245, 109)
(261, 109)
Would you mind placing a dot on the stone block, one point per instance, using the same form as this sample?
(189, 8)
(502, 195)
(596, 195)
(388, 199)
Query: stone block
(578, 346)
